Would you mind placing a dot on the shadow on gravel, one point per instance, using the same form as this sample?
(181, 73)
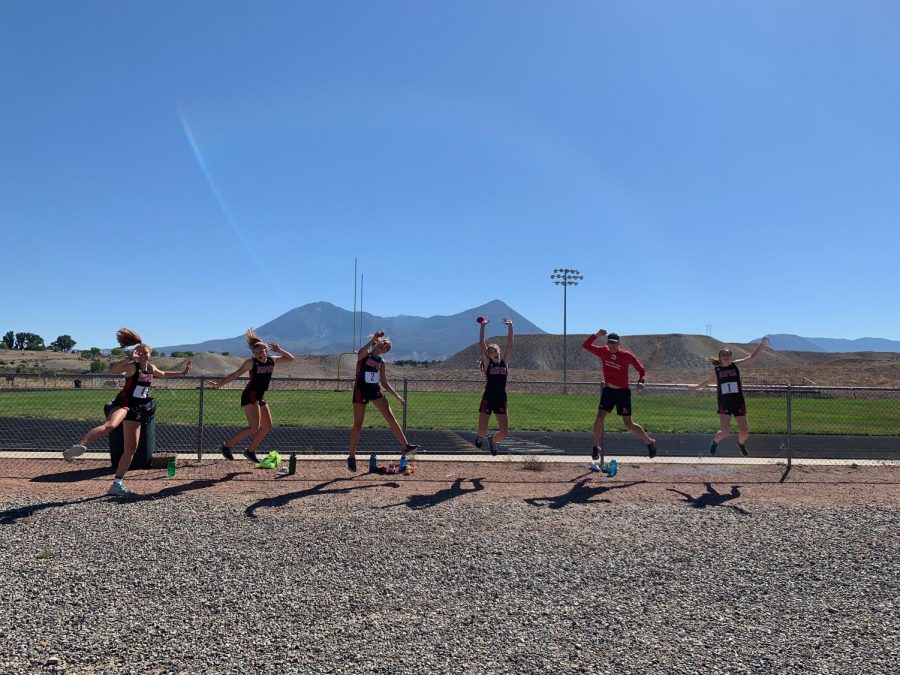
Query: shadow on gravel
(180, 489)
(10, 516)
(71, 476)
(427, 501)
(712, 497)
(320, 489)
(580, 493)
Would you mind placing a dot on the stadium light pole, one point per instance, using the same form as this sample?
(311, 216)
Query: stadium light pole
(565, 277)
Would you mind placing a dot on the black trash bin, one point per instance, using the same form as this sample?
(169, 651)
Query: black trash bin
(143, 456)
(78, 384)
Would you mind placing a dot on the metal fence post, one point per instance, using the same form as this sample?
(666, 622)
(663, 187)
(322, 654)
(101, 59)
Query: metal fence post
(405, 400)
(789, 425)
(200, 421)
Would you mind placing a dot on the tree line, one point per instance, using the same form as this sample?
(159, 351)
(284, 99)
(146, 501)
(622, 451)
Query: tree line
(34, 342)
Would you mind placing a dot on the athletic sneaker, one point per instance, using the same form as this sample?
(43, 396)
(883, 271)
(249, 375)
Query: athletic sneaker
(226, 451)
(595, 453)
(351, 463)
(651, 449)
(73, 452)
(249, 454)
(411, 450)
(713, 447)
(478, 442)
(743, 450)
(491, 444)
(119, 490)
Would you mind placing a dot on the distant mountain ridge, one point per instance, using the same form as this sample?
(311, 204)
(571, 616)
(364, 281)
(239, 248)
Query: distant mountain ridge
(795, 343)
(324, 328)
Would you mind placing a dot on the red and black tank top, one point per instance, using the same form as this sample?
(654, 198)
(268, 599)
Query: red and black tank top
(260, 375)
(137, 386)
(368, 372)
(495, 378)
(728, 380)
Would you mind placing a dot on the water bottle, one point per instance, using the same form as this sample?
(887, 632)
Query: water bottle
(292, 465)
(404, 463)
(373, 463)
(170, 467)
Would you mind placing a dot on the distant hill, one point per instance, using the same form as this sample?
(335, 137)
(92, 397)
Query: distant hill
(323, 328)
(789, 342)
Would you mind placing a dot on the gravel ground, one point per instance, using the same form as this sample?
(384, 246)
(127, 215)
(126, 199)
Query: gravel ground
(439, 576)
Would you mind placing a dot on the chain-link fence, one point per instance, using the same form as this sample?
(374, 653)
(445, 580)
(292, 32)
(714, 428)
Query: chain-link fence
(44, 414)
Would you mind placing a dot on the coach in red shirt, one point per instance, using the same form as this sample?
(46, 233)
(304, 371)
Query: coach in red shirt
(615, 388)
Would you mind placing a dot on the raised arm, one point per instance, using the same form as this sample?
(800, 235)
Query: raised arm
(286, 355)
(171, 373)
(747, 359)
(245, 366)
(510, 340)
(481, 343)
(589, 343)
(366, 348)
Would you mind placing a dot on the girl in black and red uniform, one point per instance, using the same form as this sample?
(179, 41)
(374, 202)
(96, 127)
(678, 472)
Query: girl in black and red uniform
(370, 374)
(493, 400)
(130, 407)
(259, 417)
(730, 395)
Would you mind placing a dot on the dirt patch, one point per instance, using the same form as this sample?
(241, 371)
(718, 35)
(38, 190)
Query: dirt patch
(556, 486)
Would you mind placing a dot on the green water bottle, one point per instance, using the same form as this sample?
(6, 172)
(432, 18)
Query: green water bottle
(292, 465)
(170, 467)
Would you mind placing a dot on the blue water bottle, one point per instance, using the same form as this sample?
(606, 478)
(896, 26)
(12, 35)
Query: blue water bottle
(404, 463)
(373, 463)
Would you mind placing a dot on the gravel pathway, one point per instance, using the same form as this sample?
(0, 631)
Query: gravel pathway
(363, 582)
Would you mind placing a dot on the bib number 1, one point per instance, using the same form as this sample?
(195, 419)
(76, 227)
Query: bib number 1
(729, 387)
(140, 392)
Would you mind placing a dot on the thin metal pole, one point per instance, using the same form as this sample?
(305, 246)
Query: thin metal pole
(353, 341)
(200, 421)
(406, 400)
(790, 451)
(565, 355)
(362, 283)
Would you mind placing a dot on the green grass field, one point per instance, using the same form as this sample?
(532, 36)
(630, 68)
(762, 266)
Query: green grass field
(451, 410)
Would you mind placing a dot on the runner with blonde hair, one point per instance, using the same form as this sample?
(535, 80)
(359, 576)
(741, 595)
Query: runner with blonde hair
(259, 417)
(493, 400)
(130, 407)
(370, 375)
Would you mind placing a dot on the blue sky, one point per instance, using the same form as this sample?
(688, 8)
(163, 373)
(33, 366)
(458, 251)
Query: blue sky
(188, 169)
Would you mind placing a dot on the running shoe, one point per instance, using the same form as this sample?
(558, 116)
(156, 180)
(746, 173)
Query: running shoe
(411, 450)
(713, 447)
(478, 442)
(351, 463)
(119, 490)
(226, 451)
(743, 450)
(595, 453)
(491, 445)
(651, 449)
(73, 452)
(249, 454)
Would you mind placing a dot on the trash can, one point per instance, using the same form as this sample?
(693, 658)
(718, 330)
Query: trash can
(143, 455)
(78, 384)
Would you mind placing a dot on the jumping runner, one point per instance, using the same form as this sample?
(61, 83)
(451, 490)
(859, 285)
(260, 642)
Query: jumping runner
(370, 375)
(493, 400)
(130, 407)
(730, 395)
(616, 392)
(259, 417)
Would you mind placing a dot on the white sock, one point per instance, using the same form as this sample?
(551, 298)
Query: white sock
(117, 481)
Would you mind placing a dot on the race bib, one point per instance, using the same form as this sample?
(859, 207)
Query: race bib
(729, 387)
(140, 392)
(372, 378)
